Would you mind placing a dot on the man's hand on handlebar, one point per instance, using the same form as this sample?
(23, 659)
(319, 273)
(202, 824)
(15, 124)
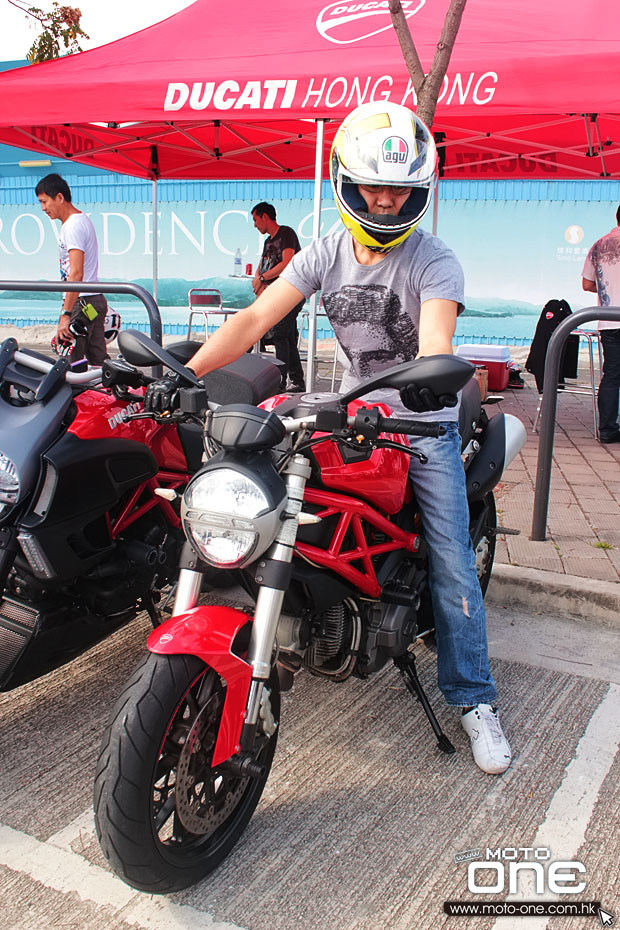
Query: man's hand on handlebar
(422, 400)
(163, 396)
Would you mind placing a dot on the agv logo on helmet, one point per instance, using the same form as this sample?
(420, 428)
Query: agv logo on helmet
(395, 150)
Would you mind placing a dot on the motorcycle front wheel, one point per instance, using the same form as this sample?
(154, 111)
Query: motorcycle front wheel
(164, 817)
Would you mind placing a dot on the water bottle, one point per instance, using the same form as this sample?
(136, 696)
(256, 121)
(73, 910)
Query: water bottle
(237, 263)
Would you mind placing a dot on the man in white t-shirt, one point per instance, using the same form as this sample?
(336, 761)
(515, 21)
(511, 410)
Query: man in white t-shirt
(82, 315)
(601, 276)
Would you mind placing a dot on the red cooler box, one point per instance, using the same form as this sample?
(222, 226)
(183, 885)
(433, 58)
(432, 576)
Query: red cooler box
(496, 359)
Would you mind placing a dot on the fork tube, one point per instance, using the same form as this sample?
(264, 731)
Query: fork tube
(269, 600)
(188, 590)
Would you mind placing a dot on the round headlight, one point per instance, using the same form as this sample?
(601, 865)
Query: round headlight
(230, 517)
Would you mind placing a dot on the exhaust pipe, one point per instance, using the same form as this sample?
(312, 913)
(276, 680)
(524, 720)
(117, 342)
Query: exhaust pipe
(141, 553)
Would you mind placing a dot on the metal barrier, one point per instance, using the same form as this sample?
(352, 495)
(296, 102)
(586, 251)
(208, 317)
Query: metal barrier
(549, 407)
(95, 287)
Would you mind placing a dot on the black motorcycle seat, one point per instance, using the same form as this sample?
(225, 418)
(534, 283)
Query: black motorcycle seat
(250, 379)
(469, 412)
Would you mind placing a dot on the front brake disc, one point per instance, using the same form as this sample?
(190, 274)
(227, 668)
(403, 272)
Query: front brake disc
(205, 797)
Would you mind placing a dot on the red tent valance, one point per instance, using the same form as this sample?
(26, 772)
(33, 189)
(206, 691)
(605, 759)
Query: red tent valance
(233, 90)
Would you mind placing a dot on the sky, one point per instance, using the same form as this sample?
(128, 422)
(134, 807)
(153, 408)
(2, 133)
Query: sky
(102, 21)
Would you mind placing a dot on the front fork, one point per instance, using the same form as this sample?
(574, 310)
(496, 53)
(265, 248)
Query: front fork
(273, 572)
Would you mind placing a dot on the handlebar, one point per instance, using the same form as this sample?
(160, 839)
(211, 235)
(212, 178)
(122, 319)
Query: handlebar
(72, 377)
(383, 425)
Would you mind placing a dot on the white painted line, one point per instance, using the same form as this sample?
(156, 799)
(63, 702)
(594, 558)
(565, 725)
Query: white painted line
(68, 872)
(81, 828)
(564, 828)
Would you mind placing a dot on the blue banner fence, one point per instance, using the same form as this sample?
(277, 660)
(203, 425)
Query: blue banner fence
(180, 329)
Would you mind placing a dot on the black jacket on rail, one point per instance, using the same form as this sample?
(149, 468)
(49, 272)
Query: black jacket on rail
(551, 316)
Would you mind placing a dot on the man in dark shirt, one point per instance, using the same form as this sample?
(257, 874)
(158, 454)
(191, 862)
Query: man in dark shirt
(280, 246)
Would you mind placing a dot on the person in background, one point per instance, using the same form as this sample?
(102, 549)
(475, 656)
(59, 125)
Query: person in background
(280, 246)
(601, 276)
(392, 293)
(82, 315)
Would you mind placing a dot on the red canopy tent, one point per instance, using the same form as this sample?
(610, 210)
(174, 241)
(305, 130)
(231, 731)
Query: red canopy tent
(233, 92)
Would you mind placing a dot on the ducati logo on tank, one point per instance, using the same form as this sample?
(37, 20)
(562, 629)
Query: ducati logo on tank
(395, 150)
(121, 415)
(344, 23)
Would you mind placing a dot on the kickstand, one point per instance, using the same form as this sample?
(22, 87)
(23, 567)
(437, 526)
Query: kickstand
(407, 667)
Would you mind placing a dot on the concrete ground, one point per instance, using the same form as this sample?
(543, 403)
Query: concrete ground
(364, 824)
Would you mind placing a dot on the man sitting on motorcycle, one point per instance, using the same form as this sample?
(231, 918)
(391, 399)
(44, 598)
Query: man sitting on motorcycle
(392, 293)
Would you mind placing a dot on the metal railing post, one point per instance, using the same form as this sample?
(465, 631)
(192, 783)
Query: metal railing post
(549, 406)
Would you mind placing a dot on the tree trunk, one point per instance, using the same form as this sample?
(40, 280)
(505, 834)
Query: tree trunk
(427, 87)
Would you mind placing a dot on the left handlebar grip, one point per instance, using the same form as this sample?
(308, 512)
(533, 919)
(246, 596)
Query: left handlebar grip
(411, 428)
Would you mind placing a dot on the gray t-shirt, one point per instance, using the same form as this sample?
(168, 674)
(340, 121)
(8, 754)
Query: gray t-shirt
(375, 309)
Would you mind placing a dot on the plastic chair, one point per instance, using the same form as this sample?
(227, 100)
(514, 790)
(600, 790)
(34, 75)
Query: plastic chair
(202, 302)
(591, 336)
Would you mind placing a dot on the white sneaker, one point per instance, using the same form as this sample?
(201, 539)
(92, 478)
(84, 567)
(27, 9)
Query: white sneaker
(489, 745)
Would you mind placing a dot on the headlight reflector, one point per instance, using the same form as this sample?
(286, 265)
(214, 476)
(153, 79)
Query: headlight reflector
(226, 491)
(229, 517)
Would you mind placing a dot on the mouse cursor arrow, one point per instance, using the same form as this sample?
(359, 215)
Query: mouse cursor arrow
(606, 919)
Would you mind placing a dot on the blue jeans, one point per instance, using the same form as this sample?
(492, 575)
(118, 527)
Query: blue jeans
(463, 672)
(609, 387)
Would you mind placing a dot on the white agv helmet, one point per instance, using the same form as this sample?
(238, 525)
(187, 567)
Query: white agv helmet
(382, 144)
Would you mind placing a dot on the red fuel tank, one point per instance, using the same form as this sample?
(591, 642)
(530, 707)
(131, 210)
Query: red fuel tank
(378, 476)
(100, 414)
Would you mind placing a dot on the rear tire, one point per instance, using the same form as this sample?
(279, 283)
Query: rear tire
(485, 549)
(164, 817)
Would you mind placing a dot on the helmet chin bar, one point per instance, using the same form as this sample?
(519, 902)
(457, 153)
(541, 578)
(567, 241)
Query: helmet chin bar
(372, 239)
(380, 232)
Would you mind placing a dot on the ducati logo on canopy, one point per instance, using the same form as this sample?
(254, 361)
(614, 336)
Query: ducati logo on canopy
(344, 22)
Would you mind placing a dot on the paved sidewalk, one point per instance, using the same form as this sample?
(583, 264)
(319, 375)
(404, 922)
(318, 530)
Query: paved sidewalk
(583, 534)
(583, 523)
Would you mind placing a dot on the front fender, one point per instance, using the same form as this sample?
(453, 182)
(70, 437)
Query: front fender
(208, 633)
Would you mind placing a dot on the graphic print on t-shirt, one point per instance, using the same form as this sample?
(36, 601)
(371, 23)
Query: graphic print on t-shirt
(272, 256)
(372, 327)
(606, 252)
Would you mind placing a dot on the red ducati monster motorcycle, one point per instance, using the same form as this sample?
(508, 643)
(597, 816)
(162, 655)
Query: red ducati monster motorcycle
(85, 542)
(305, 500)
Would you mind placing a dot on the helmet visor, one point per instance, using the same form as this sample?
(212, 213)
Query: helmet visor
(411, 211)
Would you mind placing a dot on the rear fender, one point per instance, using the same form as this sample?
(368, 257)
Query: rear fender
(208, 633)
(501, 441)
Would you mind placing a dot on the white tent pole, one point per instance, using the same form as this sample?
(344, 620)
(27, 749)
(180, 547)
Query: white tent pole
(435, 206)
(155, 239)
(316, 232)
